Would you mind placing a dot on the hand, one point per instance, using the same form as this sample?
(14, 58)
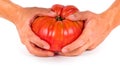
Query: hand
(34, 44)
(96, 29)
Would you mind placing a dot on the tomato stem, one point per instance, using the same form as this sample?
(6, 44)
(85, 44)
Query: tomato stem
(59, 18)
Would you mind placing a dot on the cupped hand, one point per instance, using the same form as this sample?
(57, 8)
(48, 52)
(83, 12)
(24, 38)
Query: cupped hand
(34, 44)
(96, 29)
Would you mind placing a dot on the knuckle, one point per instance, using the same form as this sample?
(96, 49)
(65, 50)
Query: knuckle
(44, 10)
(29, 36)
(91, 48)
(23, 40)
(36, 53)
(68, 50)
(75, 54)
(87, 11)
(31, 51)
(71, 54)
(35, 7)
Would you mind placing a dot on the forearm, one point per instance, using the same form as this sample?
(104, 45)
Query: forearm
(9, 10)
(113, 14)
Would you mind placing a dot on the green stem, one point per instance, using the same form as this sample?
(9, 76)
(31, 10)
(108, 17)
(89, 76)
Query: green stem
(59, 18)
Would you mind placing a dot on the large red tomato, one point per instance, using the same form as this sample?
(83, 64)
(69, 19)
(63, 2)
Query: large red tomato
(58, 31)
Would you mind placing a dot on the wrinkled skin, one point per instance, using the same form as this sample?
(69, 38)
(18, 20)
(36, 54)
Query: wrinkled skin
(33, 43)
(97, 27)
(95, 31)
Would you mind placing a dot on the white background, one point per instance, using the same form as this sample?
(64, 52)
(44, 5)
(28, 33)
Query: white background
(16, 63)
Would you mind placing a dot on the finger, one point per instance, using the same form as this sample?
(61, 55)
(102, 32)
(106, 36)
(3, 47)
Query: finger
(36, 40)
(97, 42)
(40, 43)
(79, 16)
(38, 51)
(46, 12)
(77, 51)
(77, 43)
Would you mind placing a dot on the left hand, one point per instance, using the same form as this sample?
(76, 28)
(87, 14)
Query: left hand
(33, 43)
(96, 29)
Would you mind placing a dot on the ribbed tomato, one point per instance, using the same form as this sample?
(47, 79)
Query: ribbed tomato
(58, 31)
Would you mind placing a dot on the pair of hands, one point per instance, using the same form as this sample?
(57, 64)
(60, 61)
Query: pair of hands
(95, 31)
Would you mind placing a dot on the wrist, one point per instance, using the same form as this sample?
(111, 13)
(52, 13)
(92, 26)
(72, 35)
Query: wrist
(112, 15)
(9, 10)
(108, 18)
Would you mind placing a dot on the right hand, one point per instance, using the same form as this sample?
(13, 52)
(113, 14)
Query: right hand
(34, 44)
(96, 28)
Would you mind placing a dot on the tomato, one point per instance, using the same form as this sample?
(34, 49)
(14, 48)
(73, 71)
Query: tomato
(58, 31)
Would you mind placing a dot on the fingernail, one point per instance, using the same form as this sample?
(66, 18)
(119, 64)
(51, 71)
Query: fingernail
(81, 43)
(52, 13)
(72, 17)
(59, 53)
(50, 54)
(46, 47)
(64, 50)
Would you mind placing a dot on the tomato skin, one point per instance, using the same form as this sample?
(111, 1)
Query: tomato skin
(57, 8)
(58, 32)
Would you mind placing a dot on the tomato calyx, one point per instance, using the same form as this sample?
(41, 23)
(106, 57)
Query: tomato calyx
(59, 18)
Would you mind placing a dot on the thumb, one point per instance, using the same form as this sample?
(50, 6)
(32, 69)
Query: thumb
(51, 13)
(45, 12)
(79, 16)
